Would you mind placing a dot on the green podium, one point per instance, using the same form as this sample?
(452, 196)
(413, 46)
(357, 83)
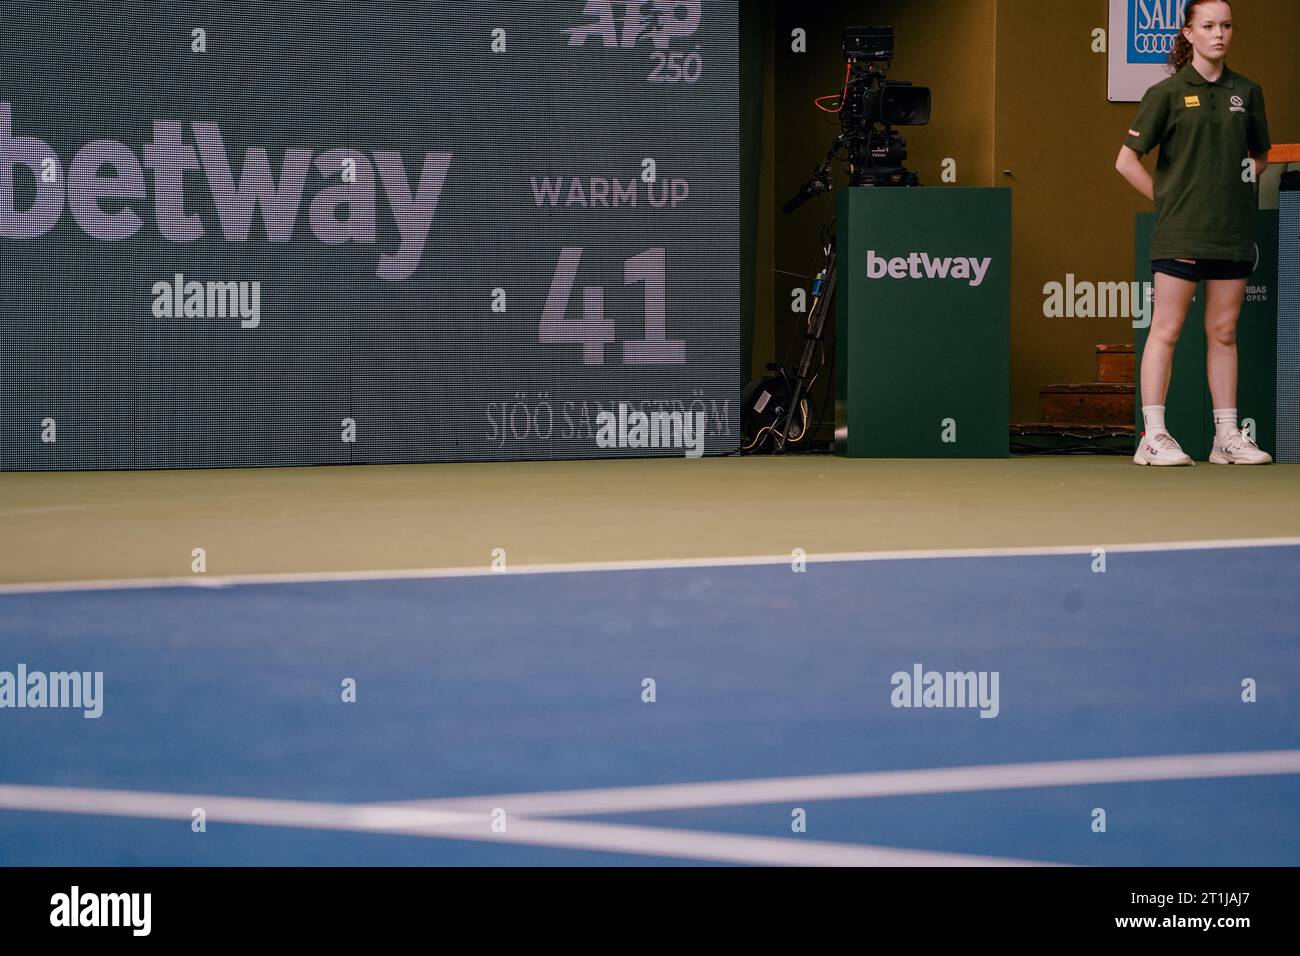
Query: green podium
(1188, 406)
(923, 329)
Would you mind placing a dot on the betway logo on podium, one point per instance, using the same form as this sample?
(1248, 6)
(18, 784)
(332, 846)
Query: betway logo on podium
(921, 265)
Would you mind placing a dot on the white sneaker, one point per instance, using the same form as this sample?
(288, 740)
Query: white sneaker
(1160, 449)
(1237, 449)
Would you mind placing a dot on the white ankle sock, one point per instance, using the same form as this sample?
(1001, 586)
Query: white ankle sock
(1225, 422)
(1153, 419)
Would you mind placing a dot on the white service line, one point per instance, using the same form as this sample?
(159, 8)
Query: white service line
(586, 567)
(887, 783)
(401, 821)
(180, 806)
(469, 818)
(728, 847)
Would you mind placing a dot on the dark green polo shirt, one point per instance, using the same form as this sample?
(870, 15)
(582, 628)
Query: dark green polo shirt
(1204, 209)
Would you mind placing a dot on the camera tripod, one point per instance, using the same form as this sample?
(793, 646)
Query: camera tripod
(823, 289)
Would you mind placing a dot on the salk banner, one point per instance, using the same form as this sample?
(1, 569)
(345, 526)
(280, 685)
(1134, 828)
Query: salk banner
(1141, 37)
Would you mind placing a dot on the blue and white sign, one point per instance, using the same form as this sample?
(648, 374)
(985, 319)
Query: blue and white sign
(1152, 26)
(1141, 36)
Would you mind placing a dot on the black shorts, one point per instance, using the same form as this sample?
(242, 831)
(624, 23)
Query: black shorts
(1197, 270)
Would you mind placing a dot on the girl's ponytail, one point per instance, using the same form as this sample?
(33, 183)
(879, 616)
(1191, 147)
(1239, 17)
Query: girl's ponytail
(1181, 54)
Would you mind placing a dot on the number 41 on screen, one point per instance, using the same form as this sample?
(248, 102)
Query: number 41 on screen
(594, 330)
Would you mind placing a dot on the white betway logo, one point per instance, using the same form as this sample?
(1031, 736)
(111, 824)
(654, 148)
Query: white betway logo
(656, 430)
(919, 265)
(103, 909)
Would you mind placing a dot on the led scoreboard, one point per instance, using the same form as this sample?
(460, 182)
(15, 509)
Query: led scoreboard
(309, 233)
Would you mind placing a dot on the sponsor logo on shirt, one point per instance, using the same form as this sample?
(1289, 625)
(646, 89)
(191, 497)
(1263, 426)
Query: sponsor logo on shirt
(1190, 101)
(1134, 132)
(1237, 106)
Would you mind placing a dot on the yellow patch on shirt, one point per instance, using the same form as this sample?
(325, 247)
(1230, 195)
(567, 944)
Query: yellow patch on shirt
(1191, 101)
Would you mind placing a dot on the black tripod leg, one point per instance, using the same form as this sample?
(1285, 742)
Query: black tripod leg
(811, 338)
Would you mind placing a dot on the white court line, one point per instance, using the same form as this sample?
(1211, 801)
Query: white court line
(729, 847)
(180, 806)
(887, 783)
(582, 567)
(399, 821)
(469, 818)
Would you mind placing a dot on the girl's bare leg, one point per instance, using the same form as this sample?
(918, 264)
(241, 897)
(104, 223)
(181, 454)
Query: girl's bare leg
(1173, 298)
(1223, 299)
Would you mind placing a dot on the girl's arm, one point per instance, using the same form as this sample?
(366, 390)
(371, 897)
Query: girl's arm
(1261, 163)
(1130, 167)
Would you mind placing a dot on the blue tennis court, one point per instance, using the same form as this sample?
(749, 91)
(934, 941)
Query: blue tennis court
(504, 719)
